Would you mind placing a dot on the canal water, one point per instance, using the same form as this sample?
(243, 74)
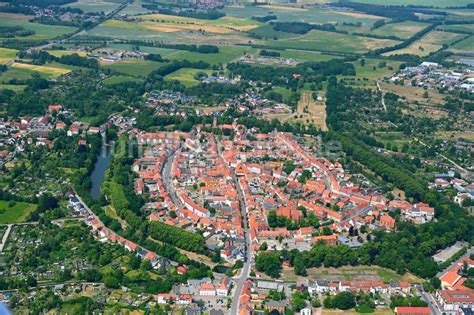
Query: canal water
(101, 165)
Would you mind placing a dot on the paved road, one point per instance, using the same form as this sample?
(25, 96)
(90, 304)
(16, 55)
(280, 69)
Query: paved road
(5, 237)
(166, 174)
(428, 298)
(248, 250)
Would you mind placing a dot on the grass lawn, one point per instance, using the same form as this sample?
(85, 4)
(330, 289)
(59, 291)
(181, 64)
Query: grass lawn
(186, 76)
(133, 67)
(7, 54)
(328, 41)
(16, 213)
(42, 31)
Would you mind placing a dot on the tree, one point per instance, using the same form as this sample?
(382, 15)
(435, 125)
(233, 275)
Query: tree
(344, 300)
(111, 282)
(268, 263)
(435, 282)
(297, 301)
(31, 281)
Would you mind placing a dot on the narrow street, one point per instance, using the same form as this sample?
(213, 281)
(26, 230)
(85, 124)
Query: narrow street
(248, 250)
(166, 174)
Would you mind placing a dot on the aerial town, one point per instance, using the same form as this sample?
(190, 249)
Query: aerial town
(210, 157)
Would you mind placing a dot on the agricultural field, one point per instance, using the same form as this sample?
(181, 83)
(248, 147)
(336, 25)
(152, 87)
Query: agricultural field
(466, 45)
(15, 212)
(7, 55)
(302, 14)
(169, 23)
(105, 6)
(307, 55)
(456, 28)
(403, 30)
(23, 71)
(42, 31)
(186, 76)
(434, 3)
(133, 67)
(226, 54)
(429, 43)
(334, 42)
(59, 53)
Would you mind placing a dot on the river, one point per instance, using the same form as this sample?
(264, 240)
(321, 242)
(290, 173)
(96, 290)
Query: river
(101, 165)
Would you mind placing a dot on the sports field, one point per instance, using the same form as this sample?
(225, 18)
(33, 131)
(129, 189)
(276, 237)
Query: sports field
(7, 54)
(15, 212)
(186, 76)
(334, 42)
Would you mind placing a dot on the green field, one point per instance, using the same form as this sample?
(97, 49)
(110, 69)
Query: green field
(7, 54)
(429, 43)
(307, 55)
(42, 31)
(21, 71)
(334, 42)
(15, 212)
(403, 30)
(16, 88)
(466, 45)
(59, 53)
(134, 67)
(105, 6)
(463, 28)
(309, 15)
(152, 50)
(120, 79)
(186, 76)
(434, 3)
(367, 71)
(225, 55)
